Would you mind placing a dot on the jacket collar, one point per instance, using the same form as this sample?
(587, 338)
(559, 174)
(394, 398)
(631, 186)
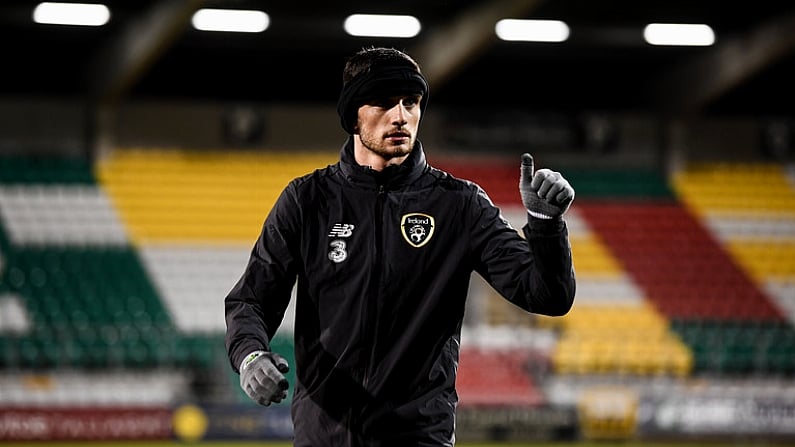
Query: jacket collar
(391, 177)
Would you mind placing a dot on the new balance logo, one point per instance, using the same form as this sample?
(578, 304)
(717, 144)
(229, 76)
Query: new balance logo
(341, 230)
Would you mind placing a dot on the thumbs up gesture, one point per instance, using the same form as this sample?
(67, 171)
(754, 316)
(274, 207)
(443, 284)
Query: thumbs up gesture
(545, 193)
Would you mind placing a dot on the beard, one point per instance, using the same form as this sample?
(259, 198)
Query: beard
(382, 147)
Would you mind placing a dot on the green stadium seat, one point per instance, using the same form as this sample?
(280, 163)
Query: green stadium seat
(739, 347)
(45, 170)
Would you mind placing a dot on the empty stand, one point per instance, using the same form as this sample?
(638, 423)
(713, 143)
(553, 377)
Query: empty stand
(129, 272)
(682, 269)
(732, 189)
(618, 184)
(740, 347)
(499, 178)
(81, 389)
(87, 306)
(84, 299)
(496, 377)
(172, 196)
(620, 339)
(45, 169)
(59, 214)
(750, 209)
(192, 281)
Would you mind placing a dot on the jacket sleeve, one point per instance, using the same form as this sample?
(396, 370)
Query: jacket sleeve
(255, 306)
(534, 272)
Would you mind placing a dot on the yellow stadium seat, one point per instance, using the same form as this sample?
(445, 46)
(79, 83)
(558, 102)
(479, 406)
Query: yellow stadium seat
(176, 196)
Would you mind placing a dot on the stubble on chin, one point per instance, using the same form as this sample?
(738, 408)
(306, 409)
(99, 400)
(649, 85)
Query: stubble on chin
(382, 147)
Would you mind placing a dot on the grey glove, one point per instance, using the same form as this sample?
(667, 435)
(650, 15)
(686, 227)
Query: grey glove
(545, 193)
(262, 377)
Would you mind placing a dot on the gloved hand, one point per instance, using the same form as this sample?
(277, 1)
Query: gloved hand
(545, 193)
(262, 377)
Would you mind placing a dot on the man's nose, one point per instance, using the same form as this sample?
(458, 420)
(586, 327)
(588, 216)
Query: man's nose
(400, 113)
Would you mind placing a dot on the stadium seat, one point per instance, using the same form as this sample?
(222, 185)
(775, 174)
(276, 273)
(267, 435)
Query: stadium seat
(505, 381)
(671, 255)
(611, 339)
(173, 196)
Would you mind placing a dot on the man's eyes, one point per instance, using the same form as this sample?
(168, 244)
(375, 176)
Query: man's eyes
(389, 103)
(384, 104)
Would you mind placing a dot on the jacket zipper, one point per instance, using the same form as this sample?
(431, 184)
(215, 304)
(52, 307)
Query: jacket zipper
(371, 302)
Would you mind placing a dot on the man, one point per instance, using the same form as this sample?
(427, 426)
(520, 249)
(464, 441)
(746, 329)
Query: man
(382, 246)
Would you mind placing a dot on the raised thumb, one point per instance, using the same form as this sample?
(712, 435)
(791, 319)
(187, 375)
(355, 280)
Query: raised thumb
(527, 166)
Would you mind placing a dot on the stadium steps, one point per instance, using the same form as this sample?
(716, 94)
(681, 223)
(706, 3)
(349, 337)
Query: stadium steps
(90, 307)
(45, 169)
(84, 299)
(500, 179)
(192, 282)
(59, 214)
(715, 189)
(193, 216)
(607, 297)
(632, 339)
(496, 377)
(592, 258)
(612, 328)
(176, 196)
(682, 269)
(750, 210)
(619, 184)
(72, 389)
(759, 348)
(165, 208)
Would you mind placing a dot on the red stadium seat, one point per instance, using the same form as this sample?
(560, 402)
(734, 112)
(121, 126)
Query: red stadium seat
(496, 378)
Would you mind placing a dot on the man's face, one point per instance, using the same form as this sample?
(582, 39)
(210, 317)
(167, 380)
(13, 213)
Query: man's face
(388, 126)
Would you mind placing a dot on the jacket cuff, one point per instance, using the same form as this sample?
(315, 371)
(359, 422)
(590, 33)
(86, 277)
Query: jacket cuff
(248, 359)
(545, 226)
(241, 353)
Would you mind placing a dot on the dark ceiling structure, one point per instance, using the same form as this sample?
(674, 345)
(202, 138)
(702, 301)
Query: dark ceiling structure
(148, 50)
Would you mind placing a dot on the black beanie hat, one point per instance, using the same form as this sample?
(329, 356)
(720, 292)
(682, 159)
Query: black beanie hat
(380, 81)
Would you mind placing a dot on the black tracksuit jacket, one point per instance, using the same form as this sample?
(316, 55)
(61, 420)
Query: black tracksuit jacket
(383, 263)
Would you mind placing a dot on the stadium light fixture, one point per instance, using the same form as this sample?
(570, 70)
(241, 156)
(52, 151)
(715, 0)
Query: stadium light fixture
(80, 14)
(382, 25)
(526, 30)
(230, 20)
(679, 34)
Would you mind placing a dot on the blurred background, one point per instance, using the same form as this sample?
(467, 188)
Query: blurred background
(142, 147)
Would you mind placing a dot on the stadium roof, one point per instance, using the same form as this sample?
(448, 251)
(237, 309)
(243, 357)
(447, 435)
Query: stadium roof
(149, 50)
